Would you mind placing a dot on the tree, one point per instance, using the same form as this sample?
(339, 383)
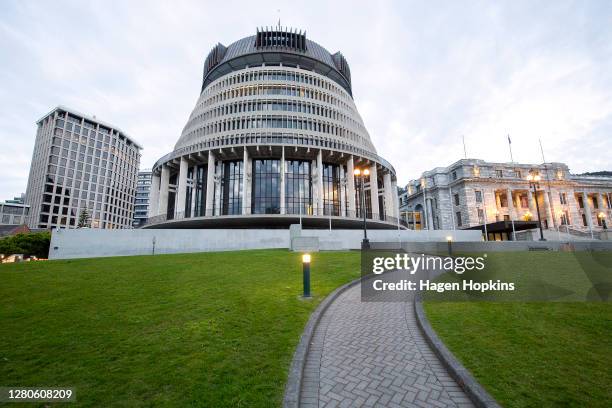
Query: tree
(83, 219)
(36, 244)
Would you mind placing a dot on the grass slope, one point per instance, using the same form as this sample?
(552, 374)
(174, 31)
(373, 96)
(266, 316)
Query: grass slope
(533, 354)
(211, 329)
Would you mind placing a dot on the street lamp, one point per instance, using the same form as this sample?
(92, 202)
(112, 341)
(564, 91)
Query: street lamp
(361, 174)
(534, 183)
(602, 218)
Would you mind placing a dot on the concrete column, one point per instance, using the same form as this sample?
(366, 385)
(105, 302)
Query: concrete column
(154, 196)
(210, 184)
(246, 182)
(163, 190)
(193, 191)
(283, 209)
(350, 187)
(395, 197)
(374, 192)
(181, 190)
(320, 183)
(389, 202)
(511, 211)
(343, 186)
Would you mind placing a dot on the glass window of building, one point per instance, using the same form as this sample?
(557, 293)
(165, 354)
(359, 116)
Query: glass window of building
(266, 187)
(298, 187)
(331, 189)
(231, 192)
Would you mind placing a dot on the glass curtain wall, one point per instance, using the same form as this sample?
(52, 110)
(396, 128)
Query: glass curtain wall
(331, 189)
(189, 192)
(298, 187)
(231, 188)
(368, 201)
(265, 198)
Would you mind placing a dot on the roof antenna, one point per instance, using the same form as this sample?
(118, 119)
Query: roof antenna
(278, 11)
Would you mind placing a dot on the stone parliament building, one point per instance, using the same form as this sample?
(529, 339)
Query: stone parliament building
(472, 194)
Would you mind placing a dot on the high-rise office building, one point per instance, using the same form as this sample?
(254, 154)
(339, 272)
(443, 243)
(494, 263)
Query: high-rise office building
(83, 173)
(141, 204)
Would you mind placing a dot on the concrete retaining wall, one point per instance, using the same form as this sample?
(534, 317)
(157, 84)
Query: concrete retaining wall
(506, 246)
(92, 243)
(351, 239)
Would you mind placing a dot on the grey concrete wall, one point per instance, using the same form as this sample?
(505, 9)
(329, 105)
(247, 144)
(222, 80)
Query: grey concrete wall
(91, 243)
(351, 239)
(506, 246)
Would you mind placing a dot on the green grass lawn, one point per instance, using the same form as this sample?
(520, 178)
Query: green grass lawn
(210, 329)
(534, 354)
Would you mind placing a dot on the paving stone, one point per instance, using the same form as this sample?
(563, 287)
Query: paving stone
(373, 354)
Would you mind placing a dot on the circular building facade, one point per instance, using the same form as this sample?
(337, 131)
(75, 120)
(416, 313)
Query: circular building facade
(274, 140)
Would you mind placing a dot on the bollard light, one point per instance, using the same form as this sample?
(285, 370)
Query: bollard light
(306, 274)
(449, 242)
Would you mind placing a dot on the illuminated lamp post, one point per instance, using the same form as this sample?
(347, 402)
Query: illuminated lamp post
(306, 274)
(602, 219)
(361, 174)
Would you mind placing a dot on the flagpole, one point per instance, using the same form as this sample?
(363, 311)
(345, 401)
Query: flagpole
(552, 208)
(510, 146)
(464, 149)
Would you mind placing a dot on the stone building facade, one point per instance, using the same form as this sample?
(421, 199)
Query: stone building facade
(473, 192)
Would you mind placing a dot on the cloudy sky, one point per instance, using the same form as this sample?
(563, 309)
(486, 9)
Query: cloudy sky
(424, 73)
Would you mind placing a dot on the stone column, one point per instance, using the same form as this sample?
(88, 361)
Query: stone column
(428, 206)
(374, 192)
(181, 190)
(587, 210)
(350, 187)
(532, 207)
(283, 209)
(510, 205)
(548, 211)
(154, 196)
(163, 190)
(320, 183)
(210, 185)
(389, 204)
(497, 199)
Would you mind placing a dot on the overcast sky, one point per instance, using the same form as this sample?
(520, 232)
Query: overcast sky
(423, 73)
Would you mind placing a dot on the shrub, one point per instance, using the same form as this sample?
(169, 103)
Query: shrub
(33, 244)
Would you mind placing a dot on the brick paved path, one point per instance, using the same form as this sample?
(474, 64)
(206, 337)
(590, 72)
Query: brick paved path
(367, 354)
